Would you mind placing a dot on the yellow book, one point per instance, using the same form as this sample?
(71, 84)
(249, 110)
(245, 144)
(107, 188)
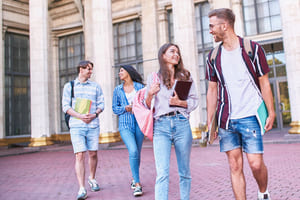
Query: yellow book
(83, 106)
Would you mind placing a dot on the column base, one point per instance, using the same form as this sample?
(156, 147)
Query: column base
(295, 127)
(3, 143)
(66, 137)
(43, 141)
(109, 138)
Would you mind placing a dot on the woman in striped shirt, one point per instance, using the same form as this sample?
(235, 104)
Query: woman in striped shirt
(129, 130)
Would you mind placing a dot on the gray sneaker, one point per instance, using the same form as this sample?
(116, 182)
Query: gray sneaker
(82, 194)
(94, 185)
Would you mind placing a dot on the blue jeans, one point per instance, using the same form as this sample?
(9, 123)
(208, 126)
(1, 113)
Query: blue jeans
(242, 133)
(170, 130)
(133, 142)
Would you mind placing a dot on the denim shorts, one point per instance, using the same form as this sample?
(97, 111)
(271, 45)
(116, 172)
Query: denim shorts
(242, 133)
(84, 139)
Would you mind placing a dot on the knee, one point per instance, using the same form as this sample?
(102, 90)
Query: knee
(133, 153)
(79, 156)
(235, 166)
(256, 166)
(93, 155)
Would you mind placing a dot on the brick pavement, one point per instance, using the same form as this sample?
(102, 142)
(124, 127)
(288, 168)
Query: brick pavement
(49, 173)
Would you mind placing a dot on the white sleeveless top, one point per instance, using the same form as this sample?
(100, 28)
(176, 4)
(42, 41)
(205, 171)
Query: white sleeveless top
(130, 96)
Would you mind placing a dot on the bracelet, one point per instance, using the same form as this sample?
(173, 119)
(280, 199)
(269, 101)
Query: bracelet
(96, 114)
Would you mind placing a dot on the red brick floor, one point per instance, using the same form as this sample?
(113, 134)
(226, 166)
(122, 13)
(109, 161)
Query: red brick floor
(49, 174)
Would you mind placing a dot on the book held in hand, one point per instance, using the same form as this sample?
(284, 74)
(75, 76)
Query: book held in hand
(83, 106)
(262, 115)
(182, 88)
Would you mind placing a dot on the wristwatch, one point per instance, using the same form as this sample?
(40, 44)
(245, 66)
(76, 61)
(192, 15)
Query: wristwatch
(96, 114)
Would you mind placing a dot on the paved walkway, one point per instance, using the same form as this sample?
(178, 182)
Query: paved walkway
(48, 172)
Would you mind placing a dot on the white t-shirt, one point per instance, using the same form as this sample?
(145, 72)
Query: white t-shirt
(130, 96)
(242, 93)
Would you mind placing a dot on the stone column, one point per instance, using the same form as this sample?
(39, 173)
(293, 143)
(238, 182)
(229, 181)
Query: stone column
(185, 37)
(290, 17)
(149, 36)
(162, 26)
(237, 9)
(99, 49)
(2, 83)
(38, 16)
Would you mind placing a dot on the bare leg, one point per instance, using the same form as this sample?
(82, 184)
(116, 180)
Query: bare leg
(80, 168)
(259, 170)
(235, 159)
(93, 160)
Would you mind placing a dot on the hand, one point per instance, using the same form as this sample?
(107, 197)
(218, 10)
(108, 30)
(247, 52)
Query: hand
(154, 89)
(215, 134)
(269, 122)
(87, 118)
(174, 100)
(128, 108)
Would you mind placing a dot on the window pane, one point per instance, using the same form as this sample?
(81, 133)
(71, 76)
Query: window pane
(71, 51)
(127, 45)
(276, 23)
(17, 85)
(279, 58)
(170, 26)
(280, 71)
(263, 10)
(249, 13)
(267, 13)
(251, 27)
(274, 8)
(248, 2)
(264, 25)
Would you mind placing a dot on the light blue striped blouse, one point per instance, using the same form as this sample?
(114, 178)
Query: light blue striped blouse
(87, 90)
(126, 119)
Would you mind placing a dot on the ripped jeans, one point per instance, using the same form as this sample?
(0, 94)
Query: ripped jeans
(242, 133)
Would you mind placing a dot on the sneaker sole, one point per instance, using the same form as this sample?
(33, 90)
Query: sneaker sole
(138, 194)
(93, 189)
(82, 198)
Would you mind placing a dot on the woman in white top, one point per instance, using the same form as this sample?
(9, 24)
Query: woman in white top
(171, 124)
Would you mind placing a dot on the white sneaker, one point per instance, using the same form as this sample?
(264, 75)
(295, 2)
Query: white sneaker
(82, 194)
(94, 185)
(263, 196)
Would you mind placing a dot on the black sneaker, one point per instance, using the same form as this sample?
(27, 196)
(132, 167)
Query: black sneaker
(138, 191)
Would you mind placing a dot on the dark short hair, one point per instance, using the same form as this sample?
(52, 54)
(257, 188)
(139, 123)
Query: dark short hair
(223, 13)
(83, 64)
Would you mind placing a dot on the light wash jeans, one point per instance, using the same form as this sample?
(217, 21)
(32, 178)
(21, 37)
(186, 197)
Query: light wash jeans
(167, 130)
(133, 142)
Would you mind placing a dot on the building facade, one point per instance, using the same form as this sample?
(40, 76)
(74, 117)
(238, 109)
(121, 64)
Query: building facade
(42, 41)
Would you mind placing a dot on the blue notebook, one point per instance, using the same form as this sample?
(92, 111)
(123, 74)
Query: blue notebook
(262, 115)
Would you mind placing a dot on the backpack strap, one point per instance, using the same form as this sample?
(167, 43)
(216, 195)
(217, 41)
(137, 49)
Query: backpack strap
(214, 54)
(72, 88)
(248, 48)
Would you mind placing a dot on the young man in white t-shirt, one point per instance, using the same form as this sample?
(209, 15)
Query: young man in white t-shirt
(238, 83)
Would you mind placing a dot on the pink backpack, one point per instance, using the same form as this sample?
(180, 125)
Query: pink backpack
(144, 115)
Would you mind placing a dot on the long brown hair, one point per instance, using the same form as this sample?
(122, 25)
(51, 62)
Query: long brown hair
(180, 72)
